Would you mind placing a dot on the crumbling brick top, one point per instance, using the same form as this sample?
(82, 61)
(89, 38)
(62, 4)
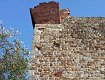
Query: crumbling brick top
(45, 13)
(64, 13)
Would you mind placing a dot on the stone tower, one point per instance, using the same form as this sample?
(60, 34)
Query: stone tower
(64, 47)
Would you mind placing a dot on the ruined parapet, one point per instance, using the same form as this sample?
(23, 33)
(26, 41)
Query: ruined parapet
(45, 13)
(64, 13)
(48, 13)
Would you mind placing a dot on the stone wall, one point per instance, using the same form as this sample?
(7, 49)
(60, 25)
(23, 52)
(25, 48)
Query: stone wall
(73, 50)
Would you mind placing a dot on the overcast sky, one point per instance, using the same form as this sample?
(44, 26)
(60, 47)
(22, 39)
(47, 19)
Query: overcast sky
(15, 13)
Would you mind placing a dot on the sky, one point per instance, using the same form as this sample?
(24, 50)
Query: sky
(15, 14)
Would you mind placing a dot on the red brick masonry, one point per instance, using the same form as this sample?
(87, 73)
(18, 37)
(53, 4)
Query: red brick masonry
(48, 13)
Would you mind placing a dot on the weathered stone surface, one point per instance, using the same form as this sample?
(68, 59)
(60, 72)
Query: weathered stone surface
(73, 50)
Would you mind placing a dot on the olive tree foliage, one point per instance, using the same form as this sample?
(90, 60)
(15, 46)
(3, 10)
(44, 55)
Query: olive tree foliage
(13, 56)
